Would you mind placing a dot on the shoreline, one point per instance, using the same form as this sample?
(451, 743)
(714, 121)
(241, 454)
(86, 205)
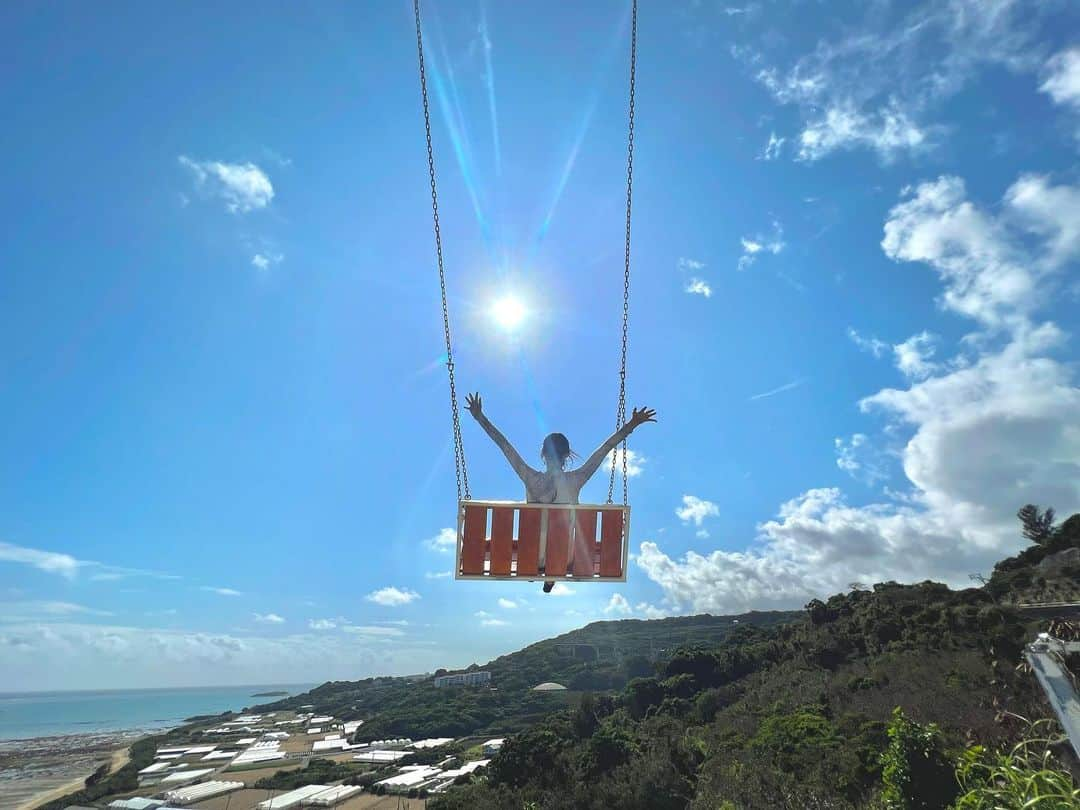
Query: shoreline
(42, 769)
(119, 759)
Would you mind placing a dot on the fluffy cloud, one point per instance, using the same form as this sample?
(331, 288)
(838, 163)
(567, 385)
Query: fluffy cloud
(50, 562)
(242, 186)
(752, 246)
(1062, 82)
(322, 624)
(268, 618)
(872, 86)
(445, 541)
(887, 131)
(857, 458)
(986, 264)
(559, 589)
(493, 623)
(983, 432)
(695, 510)
(698, 286)
(618, 606)
(91, 656)
(913, 355)
(635, 462)
(392, 597)
(509, 604)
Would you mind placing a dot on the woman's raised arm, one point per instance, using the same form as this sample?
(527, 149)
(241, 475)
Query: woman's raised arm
(476, 408)
(639, 416)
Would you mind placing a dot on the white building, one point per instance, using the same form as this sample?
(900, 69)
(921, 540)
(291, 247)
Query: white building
(293, 798)
(463, 679)
(491, 747)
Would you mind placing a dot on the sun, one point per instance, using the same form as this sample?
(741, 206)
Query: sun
(508, 312)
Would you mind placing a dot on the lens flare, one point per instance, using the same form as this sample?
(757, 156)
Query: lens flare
(508, 312)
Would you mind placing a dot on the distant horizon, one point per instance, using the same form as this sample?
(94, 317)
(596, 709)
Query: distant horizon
(38, 693)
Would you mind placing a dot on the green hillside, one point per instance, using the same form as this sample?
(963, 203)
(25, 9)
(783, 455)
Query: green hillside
(600, 656)
(801, 715)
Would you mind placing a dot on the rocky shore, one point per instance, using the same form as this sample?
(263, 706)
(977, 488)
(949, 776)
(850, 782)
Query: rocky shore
(31, 769)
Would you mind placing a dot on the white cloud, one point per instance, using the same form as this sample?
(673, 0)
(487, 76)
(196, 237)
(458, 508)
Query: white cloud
(262, 261)
(438, 574)
(373, 630)
(867, 344)
(322, 624)
(753, 246)
(859, 459)
(392, 597)
(268, 618)
(985, 432)
(1062, 82)
(618, 606)
(989, 271)
(651, 611)
(481, 614)
(772, 148)
(690, 264)
(50, 562)
(243, 187)
(635, 462)
(913, 355)
(559, 589)
(444, 542)
(695, 510)
(702, 534)
(874, 87)
(52, 655)
(509, 604)
(494, 623)
(888, 132)
(698, 286)
(220, 591)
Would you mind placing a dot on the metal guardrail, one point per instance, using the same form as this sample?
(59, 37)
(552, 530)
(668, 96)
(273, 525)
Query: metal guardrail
(1046, 655)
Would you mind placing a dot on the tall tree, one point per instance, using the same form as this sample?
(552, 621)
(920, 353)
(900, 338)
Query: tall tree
(1038, 525)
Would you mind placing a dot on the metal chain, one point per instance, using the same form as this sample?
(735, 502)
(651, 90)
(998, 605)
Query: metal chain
(460, 469)
(620, 418)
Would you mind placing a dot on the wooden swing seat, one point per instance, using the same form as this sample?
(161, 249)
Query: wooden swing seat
(501, 540)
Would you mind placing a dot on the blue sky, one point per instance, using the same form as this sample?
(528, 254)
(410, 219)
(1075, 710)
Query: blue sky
(224, 437)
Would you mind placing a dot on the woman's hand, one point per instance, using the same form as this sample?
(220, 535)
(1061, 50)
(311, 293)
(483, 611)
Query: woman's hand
(640, 416)
(475, 406)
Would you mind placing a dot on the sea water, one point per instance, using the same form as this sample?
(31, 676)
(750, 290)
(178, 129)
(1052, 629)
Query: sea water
(47, 714)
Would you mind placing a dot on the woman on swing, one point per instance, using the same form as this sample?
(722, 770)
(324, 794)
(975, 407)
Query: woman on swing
(555, 484)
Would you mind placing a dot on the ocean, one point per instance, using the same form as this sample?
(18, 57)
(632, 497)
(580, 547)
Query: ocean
(48, 714)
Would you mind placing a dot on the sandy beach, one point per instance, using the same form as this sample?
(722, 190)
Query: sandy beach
(33, 772)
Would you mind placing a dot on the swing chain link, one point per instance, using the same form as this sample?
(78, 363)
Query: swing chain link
(460, 469)
(620, 418)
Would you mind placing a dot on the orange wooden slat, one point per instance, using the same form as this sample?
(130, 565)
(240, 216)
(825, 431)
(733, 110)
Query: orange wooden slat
(528, 543)
(474, 539)
(502, 539)
(611, 530)
(584, 543)
(558, 542)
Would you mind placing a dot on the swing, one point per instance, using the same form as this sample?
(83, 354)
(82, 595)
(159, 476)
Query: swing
(505, 540)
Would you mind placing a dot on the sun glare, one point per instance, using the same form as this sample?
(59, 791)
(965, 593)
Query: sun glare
(508, 312)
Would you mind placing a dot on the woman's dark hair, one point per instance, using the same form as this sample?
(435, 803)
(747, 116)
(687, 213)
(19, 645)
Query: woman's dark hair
(557, 449)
